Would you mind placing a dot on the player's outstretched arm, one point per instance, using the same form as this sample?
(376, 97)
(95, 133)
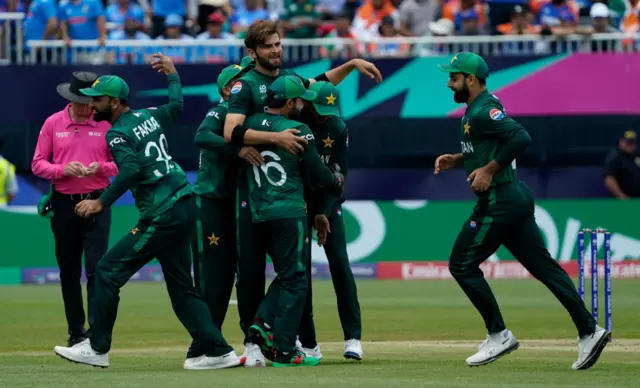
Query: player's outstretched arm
(337, 75)
(448, 161)
(169, 113)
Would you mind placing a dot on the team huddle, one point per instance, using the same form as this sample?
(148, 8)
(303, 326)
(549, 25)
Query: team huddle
(272, 168)
(264, 183)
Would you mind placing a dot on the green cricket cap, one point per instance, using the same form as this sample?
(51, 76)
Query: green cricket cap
(290, 86)
(233, 71)
(326, 101)
(108, 85)
(468, 63)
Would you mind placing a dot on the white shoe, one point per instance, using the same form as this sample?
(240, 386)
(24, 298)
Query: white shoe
(203, 362)
(254, 356)
(353, 349)
(590, 347)
(494, 347)
(315, 352)
(83, 353)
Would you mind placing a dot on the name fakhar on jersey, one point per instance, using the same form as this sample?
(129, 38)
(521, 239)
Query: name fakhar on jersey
(147, 127)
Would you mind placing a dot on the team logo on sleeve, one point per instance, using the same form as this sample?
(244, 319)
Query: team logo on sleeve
(237, 87)
(496, 114)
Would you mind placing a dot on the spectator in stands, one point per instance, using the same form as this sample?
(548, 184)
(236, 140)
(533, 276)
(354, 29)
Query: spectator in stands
(82, 20)
(451, 9)
(343, 29)
(133, 23)
(8, 180)
(41, 22)
(519, 24)
(301, 20)
(467, 19)
(383, 49)
(622, 168)
(163, 8)
(369, 17)
(173, 30)
(211, 54)
(416, 15)
(558, 17)
(242, 18)
(600, 23)
(117, 12)
(330, 9)
(500, 12)
(208, 7)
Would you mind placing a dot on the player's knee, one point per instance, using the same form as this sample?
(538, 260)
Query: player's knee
(457, 266)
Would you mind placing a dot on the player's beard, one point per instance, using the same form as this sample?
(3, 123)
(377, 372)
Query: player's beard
(295, 114)
(462, 95)
(103, 115)
(307, 116)
(264, 62)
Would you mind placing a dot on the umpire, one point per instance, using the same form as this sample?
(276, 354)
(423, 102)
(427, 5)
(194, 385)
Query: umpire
(72, 154)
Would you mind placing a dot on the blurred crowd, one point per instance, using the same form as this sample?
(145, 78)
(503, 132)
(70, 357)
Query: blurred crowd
(359, 20)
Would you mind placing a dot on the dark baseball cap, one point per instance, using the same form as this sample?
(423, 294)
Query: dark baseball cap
(232, 71)
(290, 86)
(108, 85)
(630, 136)
(467, 63)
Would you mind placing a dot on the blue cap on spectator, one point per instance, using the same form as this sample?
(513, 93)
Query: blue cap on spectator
(173, 20)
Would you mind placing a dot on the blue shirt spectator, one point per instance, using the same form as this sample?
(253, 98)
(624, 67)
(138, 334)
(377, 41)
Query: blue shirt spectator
(556, 13)
(133, 22)
(212, 54)
(165, 8)
(243, 17)
(82, 19)
(173, 25)
(40, 14)
(116, 13)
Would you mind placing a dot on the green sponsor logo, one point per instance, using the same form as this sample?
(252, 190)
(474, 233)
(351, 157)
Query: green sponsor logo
(377, 231)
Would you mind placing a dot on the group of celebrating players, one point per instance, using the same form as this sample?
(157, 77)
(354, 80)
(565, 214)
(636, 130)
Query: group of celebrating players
(263, 184)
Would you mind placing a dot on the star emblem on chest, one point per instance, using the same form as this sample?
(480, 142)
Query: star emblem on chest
(467, 128)
(213, 240)
(328, 142)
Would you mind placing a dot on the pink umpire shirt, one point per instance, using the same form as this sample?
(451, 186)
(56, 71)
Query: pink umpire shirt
(63, 141)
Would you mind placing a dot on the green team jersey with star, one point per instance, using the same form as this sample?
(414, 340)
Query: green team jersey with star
(332, 142)
(277, 187)
(218, 163)
(249, 93)
(136, 139)
(484, 130)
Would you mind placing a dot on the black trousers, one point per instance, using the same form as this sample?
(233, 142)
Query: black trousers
(74, 236)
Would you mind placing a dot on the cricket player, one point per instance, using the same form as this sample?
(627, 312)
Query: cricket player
(325, 212)
(214, 242)
(163, 196)
(504, 215)
(276, 192)
(247, 98)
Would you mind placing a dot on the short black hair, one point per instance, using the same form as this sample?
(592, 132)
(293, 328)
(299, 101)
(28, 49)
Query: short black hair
(272, 102)
(481, 81)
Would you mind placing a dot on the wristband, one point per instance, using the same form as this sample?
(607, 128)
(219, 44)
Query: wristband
(322, 77)
(237, 136)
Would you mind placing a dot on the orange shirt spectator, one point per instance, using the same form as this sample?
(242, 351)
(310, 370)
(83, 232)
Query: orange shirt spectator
(369, 17)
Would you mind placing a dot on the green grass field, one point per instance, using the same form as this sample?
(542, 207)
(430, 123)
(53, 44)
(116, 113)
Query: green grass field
(416, 333)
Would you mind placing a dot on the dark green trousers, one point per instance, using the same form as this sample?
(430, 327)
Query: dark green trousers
(252, 262)
(286, 241)
(214, 255)
(166, 237)
(505, 216)
(343, 280)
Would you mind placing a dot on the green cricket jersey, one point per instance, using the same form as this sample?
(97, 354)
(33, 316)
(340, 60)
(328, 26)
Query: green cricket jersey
(487, 133)
(140, 150)
(250, 92)
(218, 166)
(276, 187)
(332, 141)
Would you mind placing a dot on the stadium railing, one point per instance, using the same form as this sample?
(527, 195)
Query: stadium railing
(11, 38)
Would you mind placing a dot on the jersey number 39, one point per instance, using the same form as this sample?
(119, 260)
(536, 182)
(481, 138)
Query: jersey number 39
(270, 165)
(161, 152)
